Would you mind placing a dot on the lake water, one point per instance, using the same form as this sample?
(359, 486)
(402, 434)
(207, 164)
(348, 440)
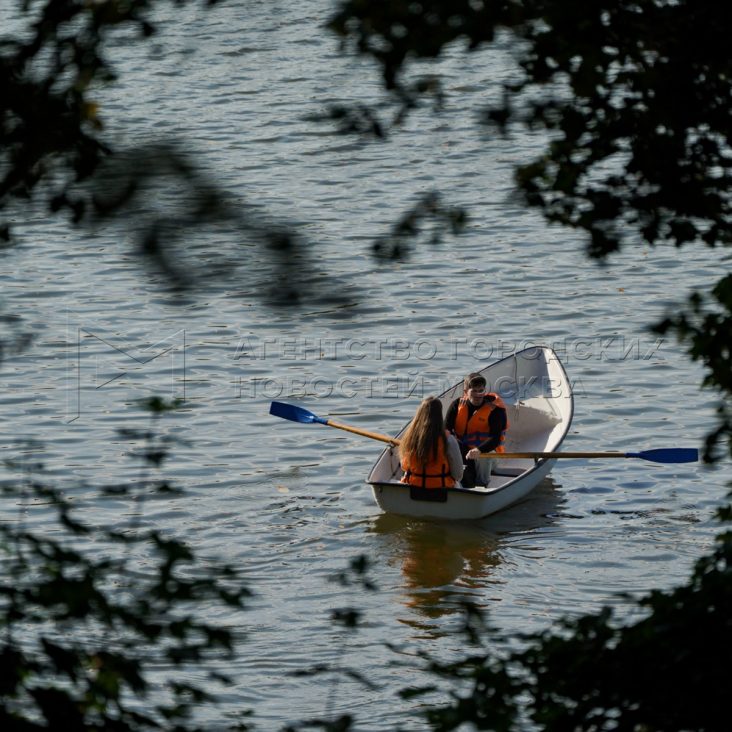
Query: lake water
(286, 502)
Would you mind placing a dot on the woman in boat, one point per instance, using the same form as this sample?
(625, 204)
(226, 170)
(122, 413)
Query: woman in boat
(430, 456)
(479, 420)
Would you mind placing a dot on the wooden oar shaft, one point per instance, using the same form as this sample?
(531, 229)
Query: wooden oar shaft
(363, 433)
(494, 455)
(544, 455)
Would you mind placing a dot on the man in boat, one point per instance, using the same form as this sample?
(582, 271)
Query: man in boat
(479, 420)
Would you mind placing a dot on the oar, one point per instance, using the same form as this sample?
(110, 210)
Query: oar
(298, 414)
(661, 455)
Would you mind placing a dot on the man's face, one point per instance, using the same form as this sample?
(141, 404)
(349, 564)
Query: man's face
(475, 395)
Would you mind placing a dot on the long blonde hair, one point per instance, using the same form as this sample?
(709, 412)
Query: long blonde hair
(422, 436)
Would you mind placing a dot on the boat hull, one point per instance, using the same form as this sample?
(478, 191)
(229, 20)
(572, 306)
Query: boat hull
(460, 503)
(540, 406)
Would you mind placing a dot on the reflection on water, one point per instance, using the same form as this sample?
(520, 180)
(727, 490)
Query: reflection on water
(448, 563)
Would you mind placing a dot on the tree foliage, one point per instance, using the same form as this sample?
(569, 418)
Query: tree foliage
(54, 151)
(87, 612)
(49, 131)
(663, 672)
(636, 96)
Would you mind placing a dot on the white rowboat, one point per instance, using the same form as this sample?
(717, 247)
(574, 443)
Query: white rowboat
(538, 397)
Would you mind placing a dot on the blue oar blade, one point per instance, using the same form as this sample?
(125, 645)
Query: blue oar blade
(294, 414)
(668, 455)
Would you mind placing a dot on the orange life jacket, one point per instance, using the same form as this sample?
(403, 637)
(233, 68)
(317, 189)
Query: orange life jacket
(476, 430)
(434, 474)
